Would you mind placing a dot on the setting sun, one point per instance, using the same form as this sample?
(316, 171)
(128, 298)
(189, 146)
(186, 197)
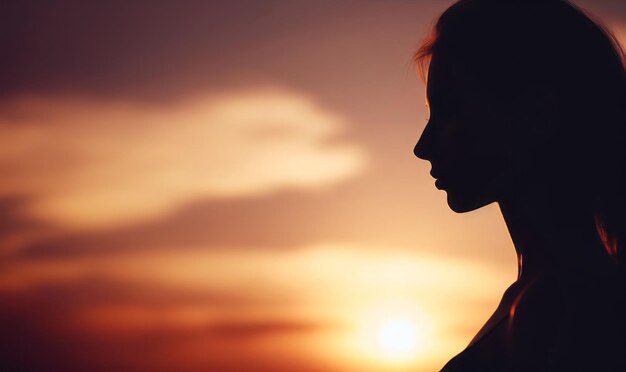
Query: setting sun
(399, 339)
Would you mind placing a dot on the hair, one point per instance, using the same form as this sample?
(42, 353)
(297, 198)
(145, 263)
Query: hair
(512, 45)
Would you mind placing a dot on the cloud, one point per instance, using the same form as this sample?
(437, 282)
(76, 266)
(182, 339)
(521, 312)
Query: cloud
(91, 163)
(275, 221)
(92, 324)
(354, 272)
(263, 328)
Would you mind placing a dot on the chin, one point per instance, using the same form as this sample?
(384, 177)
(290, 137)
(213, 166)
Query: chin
(465, 202)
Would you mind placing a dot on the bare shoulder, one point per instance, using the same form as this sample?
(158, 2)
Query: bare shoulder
(557, 322)
(536, 315)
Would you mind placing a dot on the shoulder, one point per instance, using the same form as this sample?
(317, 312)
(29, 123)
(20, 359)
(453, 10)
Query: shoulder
(516, 342)
(556, 323)
(536, 319)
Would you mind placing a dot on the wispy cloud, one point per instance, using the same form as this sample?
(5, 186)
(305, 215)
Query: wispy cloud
(92, 163)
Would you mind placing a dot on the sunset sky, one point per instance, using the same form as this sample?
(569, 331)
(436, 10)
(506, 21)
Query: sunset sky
(230, 186)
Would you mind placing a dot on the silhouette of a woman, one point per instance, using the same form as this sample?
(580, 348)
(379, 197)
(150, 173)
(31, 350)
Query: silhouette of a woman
(527, 104)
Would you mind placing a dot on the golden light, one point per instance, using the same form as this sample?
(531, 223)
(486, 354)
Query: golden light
(399, 339)
(396, 337)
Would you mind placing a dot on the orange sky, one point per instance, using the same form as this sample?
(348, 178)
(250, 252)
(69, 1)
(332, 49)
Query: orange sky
(231, 187)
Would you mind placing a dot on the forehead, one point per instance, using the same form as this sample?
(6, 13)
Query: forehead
(442, 80)
(450, 80)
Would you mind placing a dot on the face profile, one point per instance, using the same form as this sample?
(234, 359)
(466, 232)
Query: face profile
(475, 147)
(465, 140)
(527, 102)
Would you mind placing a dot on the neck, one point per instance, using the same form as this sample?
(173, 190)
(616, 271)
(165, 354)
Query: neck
(552, 236)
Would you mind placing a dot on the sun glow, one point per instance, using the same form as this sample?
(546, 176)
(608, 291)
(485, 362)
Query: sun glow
(396, 339)
(399, 339)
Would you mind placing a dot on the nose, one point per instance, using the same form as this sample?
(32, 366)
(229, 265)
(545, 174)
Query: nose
(423, 148)
(419, 152)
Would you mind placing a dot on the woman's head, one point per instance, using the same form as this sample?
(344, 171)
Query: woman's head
(523, 93)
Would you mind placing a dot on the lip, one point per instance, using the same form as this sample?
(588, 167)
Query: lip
(440, 184)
